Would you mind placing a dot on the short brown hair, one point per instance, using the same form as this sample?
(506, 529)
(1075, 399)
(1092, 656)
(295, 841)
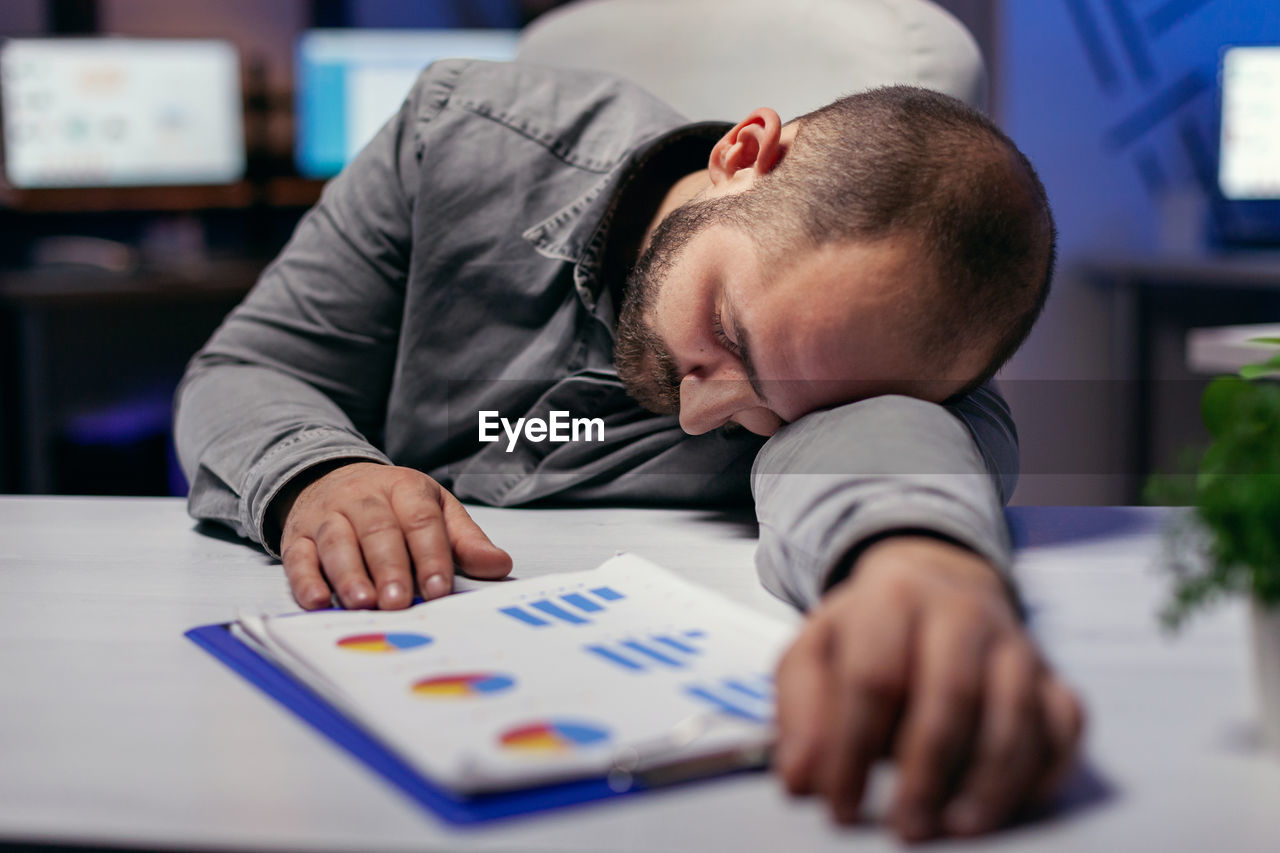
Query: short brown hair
(905, 160)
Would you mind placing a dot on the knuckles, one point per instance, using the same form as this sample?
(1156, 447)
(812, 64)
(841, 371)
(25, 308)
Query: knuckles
(900, 591)
(371, 503)
(959, 691)
(332, 531)
(293, 554)
(873, 679)
(378, 525)
(419, 517)
(974, 611)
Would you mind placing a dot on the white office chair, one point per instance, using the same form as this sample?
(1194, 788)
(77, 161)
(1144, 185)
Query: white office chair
(720, 59)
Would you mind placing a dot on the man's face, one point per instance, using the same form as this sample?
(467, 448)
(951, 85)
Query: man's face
(714, 331)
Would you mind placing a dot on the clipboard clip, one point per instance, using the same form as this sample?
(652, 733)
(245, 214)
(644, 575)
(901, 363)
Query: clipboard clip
(657, 762)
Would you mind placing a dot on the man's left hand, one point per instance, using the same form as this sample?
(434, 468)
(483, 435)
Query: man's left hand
(919, 654)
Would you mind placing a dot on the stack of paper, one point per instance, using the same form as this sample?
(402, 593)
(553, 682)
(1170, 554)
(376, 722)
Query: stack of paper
(621, 671)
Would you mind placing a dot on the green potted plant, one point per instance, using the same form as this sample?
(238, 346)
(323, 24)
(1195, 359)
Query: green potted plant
(1229, 543)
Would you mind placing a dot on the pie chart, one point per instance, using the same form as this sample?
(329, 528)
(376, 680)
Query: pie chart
(383, 642)
(553, 736)
(463, 685)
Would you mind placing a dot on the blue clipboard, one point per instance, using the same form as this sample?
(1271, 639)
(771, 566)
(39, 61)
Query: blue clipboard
(451, 807)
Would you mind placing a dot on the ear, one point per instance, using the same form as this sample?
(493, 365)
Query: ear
(753, 143)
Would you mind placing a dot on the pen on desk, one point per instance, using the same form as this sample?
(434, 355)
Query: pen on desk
(680, 770)
(657, 762)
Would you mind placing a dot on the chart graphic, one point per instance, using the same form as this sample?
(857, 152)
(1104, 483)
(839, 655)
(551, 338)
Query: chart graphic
(567, 609)
(656, 652)
(381, 642)
(749, 698)
(464, 685)
(553, 736)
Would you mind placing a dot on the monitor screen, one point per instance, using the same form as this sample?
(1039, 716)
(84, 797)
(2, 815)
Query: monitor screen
(349, 82)
(1249, 158)
(120, 112)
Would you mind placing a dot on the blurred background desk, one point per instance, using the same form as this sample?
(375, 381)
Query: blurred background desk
(117, 731)
(94, 359)
(1157, 300)
(1225, 349)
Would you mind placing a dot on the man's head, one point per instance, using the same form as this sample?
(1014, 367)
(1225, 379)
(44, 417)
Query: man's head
(892, 242)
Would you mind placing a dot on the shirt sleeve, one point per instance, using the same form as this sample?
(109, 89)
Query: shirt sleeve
(836, 479)
(298, 374)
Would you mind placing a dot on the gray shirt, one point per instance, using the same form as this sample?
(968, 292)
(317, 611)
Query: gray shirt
(455, 267)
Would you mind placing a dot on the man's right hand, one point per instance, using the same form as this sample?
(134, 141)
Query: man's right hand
(373, 533)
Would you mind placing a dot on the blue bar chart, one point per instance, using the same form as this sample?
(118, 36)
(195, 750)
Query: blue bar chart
(573, 608)
(749, 698)
(655, 652)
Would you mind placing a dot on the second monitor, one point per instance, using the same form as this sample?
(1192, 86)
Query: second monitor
(349, 82)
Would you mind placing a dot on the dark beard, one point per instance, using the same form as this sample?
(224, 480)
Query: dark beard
(643, 364)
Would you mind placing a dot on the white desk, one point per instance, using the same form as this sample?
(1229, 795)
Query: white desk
(115, 729)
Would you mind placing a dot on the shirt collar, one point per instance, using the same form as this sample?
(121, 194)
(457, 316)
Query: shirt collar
(577, 232)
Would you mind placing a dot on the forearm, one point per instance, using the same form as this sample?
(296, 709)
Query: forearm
(244, 432)
(837, 480)
(298, 375)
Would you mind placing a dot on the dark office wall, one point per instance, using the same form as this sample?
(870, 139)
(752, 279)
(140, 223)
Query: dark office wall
(1118, 100)
(437, 13)
(263, 32)
(22, 18)
(982, 19)
(1115, 103)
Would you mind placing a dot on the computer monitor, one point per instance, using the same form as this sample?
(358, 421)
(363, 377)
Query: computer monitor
(1246, 211)
(111, 112)
(1249, 159)
(349, 82)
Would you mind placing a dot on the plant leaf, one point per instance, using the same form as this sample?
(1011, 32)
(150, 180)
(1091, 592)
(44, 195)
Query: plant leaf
(1257, 371)
(1222, 401)
(1253, 371)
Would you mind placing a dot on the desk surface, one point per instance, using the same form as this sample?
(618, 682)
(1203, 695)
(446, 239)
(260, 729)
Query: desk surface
(115, 729)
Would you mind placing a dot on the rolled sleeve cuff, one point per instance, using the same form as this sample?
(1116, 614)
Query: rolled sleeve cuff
(915, 512)
(802, 573)
(284, 461)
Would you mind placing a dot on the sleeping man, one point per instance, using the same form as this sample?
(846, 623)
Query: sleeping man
(803, 315)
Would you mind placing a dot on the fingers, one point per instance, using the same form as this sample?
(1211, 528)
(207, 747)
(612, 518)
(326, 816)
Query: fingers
(421, 518)
(1011, 747)
(382, 544)
(940, 722)
(928, 655)
(871, 673)
(372, 533)
(840, 689)
(342, 562)
(1064, 718)
(803, 688)
(302, 568)
(475, 553)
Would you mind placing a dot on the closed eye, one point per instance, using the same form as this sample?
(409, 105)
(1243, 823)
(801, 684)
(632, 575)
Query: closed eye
(740, 350)
(717, 328)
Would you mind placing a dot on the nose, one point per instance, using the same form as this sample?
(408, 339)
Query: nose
(709, 402)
